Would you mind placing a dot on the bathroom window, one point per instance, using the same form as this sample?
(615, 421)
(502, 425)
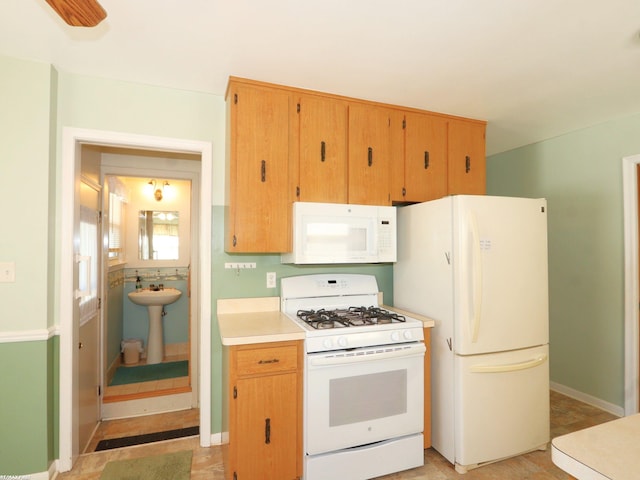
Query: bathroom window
(116, 227)
(118, 199)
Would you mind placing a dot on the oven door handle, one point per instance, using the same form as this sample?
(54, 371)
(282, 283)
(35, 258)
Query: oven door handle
(345, 359)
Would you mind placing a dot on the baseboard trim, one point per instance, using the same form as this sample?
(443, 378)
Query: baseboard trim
(589, 399)
(216, 439)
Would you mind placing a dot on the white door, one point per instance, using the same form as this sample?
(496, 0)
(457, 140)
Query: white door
(502, 404)
(500, 273)
(88, 257)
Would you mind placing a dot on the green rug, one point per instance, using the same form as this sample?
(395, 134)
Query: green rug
(149, 373)
(171, 466)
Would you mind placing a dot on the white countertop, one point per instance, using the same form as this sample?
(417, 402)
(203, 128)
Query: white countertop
(609, 451)
(259, 320)
(255, 320)
(427, 322)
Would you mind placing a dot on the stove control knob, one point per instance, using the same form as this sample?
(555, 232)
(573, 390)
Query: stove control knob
(327, 343)
(342, 342)
(395, 336)
(407, 335)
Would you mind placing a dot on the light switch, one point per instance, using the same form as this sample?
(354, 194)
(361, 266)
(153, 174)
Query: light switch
(7, 272)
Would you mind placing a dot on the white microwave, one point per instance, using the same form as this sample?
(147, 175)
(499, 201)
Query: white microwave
(338, 233)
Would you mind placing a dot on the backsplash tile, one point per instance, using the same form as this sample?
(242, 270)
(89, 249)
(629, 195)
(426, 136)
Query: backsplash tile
(156, 274)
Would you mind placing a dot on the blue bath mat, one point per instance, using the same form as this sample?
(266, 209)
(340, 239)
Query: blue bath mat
(149, 373)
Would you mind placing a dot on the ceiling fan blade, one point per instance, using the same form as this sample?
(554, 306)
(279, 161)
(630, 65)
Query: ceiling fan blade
(79, 13)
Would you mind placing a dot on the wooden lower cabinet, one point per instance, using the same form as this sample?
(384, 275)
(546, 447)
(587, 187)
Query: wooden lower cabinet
(263, 411)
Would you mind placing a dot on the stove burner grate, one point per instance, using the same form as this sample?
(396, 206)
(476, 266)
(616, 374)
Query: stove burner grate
(349, 317)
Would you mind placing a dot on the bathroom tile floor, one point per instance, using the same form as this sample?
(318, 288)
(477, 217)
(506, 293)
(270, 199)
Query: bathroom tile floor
(120, 392)
(567, 415)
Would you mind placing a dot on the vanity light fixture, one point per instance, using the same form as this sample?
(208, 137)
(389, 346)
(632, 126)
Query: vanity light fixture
(154, 188)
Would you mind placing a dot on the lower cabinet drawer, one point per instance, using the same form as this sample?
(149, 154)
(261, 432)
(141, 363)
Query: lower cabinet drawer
(267, 360)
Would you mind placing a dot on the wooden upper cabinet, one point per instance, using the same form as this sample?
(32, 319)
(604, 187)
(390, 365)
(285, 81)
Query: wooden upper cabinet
(420, 171)
(369, 155)
(286, 144)
(259, 216)
(322, 140)
(467, 158)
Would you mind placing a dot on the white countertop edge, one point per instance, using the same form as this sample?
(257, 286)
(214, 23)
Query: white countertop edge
(281, 337)
(573, 466)
(428, 322)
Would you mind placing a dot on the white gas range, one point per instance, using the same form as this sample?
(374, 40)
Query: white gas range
(364, 378)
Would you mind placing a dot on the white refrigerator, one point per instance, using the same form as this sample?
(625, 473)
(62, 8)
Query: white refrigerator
(477, 265)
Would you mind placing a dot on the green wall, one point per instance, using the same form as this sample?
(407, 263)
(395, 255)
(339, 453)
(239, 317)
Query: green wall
(28, 359)
(580, 174)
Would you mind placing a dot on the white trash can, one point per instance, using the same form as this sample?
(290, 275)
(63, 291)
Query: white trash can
(132, 348)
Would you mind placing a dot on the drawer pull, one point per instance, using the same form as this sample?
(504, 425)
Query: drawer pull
(370, 156)
(267, 431)
(323, 151)
(273, 360)
(467, 164)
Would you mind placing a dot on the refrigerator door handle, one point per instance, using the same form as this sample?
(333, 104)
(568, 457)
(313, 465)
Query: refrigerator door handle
(476, 267)
(509, 367)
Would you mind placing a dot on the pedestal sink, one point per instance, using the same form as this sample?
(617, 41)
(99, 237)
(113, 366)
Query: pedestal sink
(155, 300)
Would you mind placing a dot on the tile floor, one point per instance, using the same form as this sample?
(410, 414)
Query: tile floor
(567, 415)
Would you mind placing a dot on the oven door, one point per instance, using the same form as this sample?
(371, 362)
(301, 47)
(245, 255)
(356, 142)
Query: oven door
(361, 396)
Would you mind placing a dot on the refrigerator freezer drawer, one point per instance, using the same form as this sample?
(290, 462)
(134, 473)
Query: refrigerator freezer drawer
(502, 405)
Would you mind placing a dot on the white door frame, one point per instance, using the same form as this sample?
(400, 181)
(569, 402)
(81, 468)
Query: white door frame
(72, 138)
(631, 296)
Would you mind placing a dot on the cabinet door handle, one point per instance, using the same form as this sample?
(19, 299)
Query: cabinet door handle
(273, 360)
(267, 431)
(467, 164)
(370, 156)
(426, 159)
(323, 151)
(263, 171)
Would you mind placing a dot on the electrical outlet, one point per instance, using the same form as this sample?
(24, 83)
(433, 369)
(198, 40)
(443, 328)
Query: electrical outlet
(271, 279)
(8, 272)
(240, 266)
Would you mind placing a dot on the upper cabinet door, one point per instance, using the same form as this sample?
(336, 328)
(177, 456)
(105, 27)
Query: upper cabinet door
(425, 157)
(258, 166)
(323, 149)
(369, 155)
(467, 158)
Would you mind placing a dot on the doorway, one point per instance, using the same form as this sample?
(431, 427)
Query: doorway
(152, 241)
(630, 176)
(72, 141)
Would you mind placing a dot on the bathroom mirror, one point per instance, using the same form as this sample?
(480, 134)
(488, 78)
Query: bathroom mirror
(158, 237)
